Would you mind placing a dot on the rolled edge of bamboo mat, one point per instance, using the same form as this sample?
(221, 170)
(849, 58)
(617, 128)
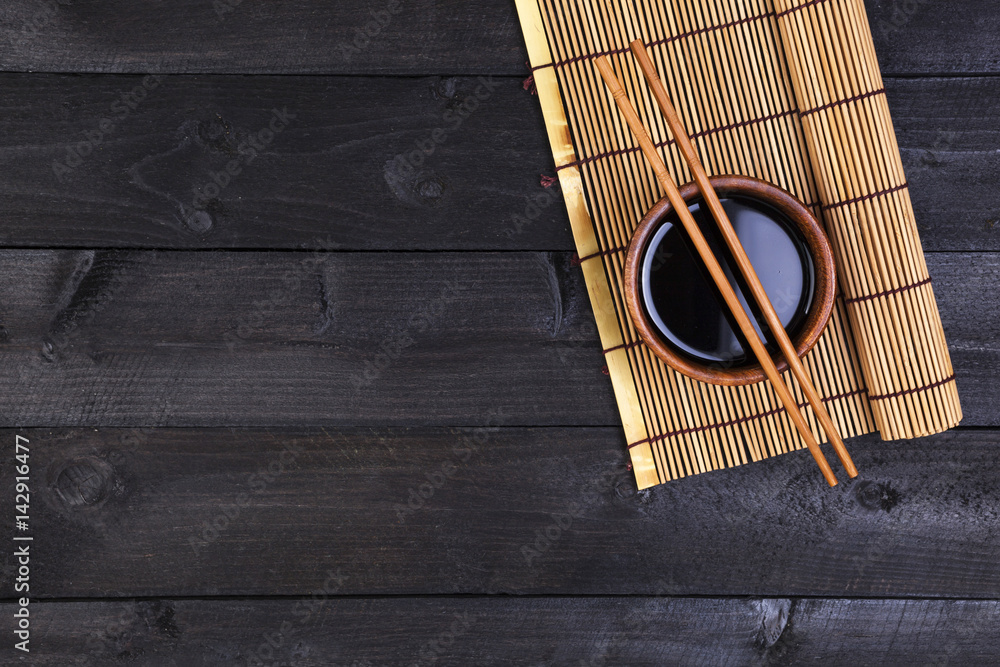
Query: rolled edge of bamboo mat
(556, 126)
(869, 217)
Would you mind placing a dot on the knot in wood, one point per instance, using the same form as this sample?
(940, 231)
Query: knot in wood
(85, 482)
(876, 496)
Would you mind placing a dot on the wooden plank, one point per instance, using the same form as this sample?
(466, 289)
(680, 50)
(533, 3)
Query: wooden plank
(220, 512)
(394, 37)
(246, 37)
(140, 338)
(504, 631)
(137, 338)
(949, 143)
(376, 163)
(926, 37)
(361, 163)
(964, 284)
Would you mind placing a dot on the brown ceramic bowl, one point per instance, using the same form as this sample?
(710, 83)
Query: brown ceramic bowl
(807, 302)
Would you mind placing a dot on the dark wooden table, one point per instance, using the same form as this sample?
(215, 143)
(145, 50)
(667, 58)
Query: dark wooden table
(309, 378)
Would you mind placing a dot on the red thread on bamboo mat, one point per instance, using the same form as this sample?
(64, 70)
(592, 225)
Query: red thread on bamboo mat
(601, 156)
(741, 420)
(856, 200)
(926, 387)
(696, 135)
(601, 253)
(888, 292)
(623, 346)
(658, 42)
(846, 100)
(791, 10)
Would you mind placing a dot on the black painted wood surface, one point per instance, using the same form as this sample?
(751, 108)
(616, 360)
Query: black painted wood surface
(432, 167)
(645, 631)
(352, 401)
(499, 510)
(396, 37)
(139, 338)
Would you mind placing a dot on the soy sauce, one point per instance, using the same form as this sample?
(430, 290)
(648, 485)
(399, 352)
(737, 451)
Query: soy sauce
(683, 303)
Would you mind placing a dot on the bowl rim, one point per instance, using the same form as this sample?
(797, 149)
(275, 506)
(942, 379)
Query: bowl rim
(820, 250)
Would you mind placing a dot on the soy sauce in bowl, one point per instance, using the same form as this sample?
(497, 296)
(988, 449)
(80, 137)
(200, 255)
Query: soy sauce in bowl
(676, 308)
(686, 307)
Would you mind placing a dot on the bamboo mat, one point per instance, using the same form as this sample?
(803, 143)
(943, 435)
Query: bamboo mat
(788, 91)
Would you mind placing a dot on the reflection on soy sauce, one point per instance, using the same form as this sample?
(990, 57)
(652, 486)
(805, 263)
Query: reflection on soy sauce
(685, 306)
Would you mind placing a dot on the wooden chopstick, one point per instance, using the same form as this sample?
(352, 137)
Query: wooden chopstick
(712, 264)
(739, 254)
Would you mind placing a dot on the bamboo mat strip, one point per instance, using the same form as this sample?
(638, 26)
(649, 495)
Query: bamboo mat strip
(570, 182)
(868, 212)
(726, 66)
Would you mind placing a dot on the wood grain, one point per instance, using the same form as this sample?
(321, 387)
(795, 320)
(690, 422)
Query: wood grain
(394, 37)
(94, 339)
(341, 177)
(362, 163)
(925, 37)
(529, 632)
(387, 37)
(145, 338)
(220, 512)
(949, 141)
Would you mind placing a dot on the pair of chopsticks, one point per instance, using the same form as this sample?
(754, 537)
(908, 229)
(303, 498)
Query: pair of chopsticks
(739, 254)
